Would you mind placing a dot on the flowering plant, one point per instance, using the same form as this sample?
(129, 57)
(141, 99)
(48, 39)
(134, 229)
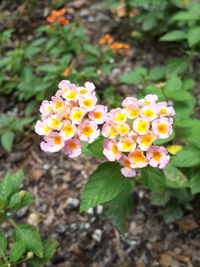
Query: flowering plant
(73, 121)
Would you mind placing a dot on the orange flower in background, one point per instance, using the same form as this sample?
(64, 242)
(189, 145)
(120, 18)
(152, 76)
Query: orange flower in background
(58, 16)
(66, 72)
(118, 47)
(107, 39)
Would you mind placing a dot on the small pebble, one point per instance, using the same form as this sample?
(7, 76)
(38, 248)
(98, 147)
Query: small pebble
(72, 202)
(99, 209)
(73, 227)
(90, 211)
(141, 194)
(97, 235)
(87, 226)
(60, 228)
(22, 212)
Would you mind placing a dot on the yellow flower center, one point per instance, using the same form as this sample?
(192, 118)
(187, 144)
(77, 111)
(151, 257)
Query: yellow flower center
(112, 131)
(58, 104)
(57, 140)
(46, 129)
(97, 115)
(120, 117)
(55, 123)
(127, 145)
(83, 91)
(162, 128)
(68, 129)
(156, 155)
(163, 111)
(148, 113)
(87, 103)
(78, 115)
(72, 95)
(147, 139)
(142, 126)
(87, 130)
(114, 149)
(123, 129)
(72, 145)
(138, 157)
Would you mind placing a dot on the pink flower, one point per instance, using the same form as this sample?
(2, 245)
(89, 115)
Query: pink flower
(88, 101)
(148, 100)
(132, 111)
(109, 130)
(88, 88)
(46, 108)
(117, 115)
(137, 159)
(141, 125)
(41, 128)
(77, 114)
(58, 104)
(145, 141)
(68, 130)
(88, 131)
(53, 143)
(164, 110)
(54, 122)
(129, 101)
(110, 150)
(162, 127)
(73, 147)
(64, 85)
(123, 128)
(99, 114)
(157, 156)
(126, 144)
(127, 171)
(149, 111)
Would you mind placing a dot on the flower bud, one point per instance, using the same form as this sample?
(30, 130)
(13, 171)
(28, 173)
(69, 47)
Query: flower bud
(29, 255)
(22, 193)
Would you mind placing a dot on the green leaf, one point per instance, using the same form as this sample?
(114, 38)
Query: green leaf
(17, 250)
(193, 36)
(175, 35)
(15, 201)
(48, 68)
(103, 185)
(157, 73)
(141, 70)
(173, 90)
(3, 242)
(131, 77)
(187, 157)
(49, 250)
(7, 140)
(30, 237)
(119, 207)
(184, 16)
(154, 179)
(172, 212)
(164, 141)
(6, 187)
(195, 181)
(95, 149)
(160, 199)
(176, 66)
(175, 178)
(17, 179)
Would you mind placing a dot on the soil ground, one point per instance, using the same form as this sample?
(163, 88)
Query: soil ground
(86, 239)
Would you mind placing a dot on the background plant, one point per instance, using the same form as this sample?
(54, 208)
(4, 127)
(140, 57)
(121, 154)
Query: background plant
(25, 244)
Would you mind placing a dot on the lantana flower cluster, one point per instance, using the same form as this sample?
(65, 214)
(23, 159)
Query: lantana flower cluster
(73, 116)
(57, 16)
(70, 117)
(118, 47)
(130, 132)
